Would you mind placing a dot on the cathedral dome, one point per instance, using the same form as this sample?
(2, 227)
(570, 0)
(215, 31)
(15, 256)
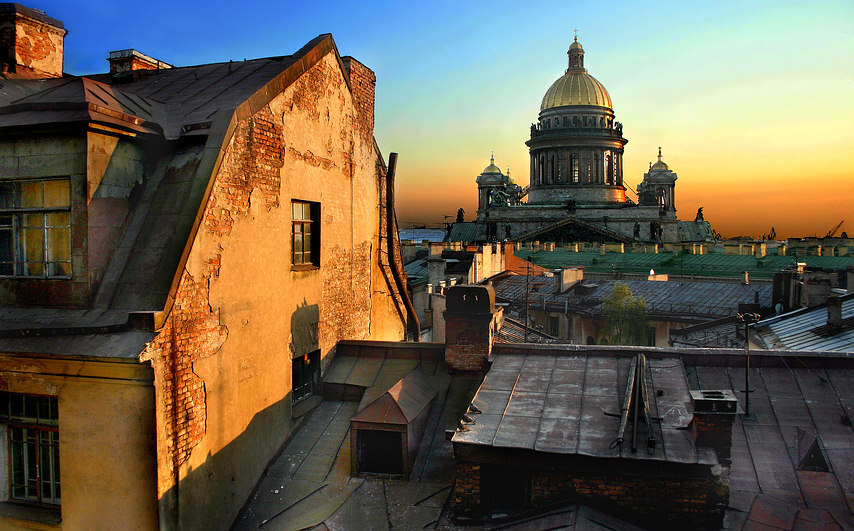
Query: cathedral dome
(491, 174)
(576, 86)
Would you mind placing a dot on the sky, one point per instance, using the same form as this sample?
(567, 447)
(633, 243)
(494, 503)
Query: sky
(752, 102)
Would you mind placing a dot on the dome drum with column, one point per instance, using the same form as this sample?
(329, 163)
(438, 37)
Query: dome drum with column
(576, 147)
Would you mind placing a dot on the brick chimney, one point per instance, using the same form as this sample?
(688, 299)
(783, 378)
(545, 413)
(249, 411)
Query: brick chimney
(125, 62)
(469, 316)
(714, 414)
(363, 82)
(834, 312)
(31, 43)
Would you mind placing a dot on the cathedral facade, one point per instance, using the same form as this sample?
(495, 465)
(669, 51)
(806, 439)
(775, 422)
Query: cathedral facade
(576, 191)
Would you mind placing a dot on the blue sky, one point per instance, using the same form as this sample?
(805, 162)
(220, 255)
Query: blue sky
(751, 101)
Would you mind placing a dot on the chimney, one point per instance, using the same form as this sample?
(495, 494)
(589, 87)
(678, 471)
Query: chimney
(834, 312)
(363, 83)
(469, 316)
(124, 62)
(567, 278)
(31, 43)
(714, 414)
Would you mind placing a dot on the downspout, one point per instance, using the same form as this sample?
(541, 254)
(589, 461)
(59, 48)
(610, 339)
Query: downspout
(413, 327)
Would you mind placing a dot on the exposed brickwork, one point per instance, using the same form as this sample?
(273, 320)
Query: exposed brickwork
(362, 85)
(645, 493)
(30, 48)
(467, 489)
(468, 341)
(346, 298)
(254, 160)
(191, 332)
(714, 430)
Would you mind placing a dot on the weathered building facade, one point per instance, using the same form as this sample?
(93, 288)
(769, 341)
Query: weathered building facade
(182, 250)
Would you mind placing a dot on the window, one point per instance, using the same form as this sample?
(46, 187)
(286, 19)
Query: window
(33, 443)
(306, 375)
(35, 228)
(573, 162)
(305, 241)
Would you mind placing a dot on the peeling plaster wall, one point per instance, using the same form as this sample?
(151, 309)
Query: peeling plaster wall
(223, 359)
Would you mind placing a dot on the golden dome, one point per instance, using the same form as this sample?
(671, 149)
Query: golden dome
(492, 168)
(576, 88)
(660, 165)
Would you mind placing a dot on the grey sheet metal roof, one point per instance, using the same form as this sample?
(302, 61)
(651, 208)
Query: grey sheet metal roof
(513, 331)
(565, 404)
(766, 485)
(111, 345)
(806, 329)
(692, 299)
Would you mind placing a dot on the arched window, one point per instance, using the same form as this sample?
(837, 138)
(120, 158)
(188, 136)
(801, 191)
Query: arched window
(595, 177)
(662, 198)
(575, 121)
(542, 169)
(601, 121)
(584, 121)
(573, 164)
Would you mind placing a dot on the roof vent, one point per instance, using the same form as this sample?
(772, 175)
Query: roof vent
(810, 454)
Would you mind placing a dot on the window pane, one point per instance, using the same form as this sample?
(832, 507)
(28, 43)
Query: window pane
(34, 269)
(7, 195)
(58, 219)
(17, 405)
(296, 211)
(34, 244)
(33, 220)
(31, 194)
(56, 193)
(59, 244)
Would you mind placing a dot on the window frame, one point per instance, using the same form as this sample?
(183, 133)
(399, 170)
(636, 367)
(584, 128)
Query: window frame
(305, 228)
(15, 222)
(41, 426)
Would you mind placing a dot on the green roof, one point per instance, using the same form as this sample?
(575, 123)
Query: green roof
(679, 263)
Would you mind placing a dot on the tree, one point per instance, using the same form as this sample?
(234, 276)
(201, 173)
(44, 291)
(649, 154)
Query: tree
(625, 316)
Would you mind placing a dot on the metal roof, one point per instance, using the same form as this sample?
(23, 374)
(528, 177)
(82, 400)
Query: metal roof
(422, 235)
(691, 299)
(402, 403)
(714, 264)
(806, 329)
(564, 404)
(465, 231)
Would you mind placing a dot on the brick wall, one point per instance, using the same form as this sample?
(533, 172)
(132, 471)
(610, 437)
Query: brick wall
(468, 341)
(362, 85)
(466, 498)
(254, 160)
(29, 46)
(646, 493)
(714, 430)
(191, 332)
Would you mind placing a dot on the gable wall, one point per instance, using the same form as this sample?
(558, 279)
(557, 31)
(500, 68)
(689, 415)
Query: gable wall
(223, 359)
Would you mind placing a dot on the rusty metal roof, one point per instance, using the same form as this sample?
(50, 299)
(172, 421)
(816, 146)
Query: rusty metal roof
(566, 404)
(402, 403)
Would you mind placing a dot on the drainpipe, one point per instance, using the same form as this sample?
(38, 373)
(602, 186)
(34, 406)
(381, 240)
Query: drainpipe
(413, 327)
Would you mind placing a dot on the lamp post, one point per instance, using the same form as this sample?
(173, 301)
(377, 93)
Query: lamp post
(747, 319)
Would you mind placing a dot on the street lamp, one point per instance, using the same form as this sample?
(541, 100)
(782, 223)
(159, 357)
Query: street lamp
(748, 319)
